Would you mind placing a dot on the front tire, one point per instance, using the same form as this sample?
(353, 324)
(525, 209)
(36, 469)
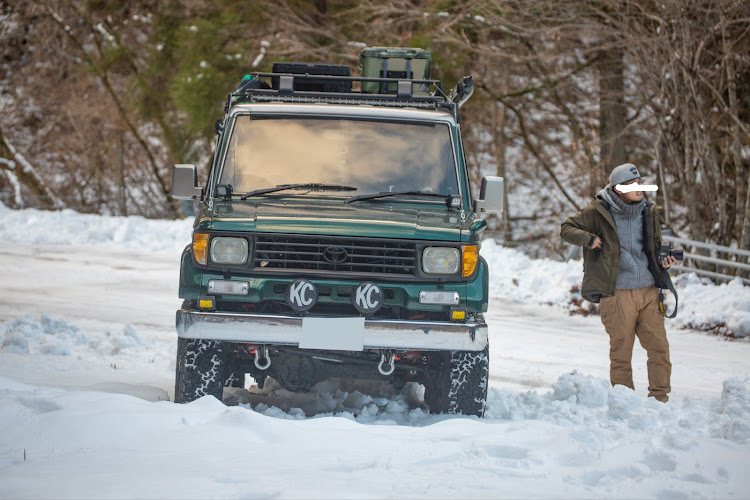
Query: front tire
(201, 369)
(460, 386)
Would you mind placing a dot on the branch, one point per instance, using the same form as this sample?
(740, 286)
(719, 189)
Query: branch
(104, 79)
(26, 174)
(537, 154)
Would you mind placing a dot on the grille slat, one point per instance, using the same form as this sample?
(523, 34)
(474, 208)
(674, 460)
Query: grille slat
(318, 248)
(281, 256)
(336, 255)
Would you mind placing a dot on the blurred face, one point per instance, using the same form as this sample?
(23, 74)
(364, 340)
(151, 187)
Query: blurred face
(633, 196)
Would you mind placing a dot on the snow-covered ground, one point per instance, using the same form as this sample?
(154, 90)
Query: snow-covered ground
(87, 348)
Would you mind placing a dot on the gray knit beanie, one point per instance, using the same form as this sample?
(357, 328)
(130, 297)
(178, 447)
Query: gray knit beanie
(623, 173)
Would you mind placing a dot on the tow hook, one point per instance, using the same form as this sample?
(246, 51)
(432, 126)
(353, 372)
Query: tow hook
(386, 365)
(262, 353)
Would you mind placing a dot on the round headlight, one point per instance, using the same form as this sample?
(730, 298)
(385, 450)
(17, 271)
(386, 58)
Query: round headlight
(226, 250)
(440, 260)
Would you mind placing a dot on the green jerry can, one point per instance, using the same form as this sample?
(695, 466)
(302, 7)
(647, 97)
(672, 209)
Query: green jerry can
(394, 62)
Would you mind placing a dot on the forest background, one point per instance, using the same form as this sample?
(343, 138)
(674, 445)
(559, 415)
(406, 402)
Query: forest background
(99, 98)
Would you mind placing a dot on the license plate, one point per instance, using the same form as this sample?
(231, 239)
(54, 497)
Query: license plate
(333, 334)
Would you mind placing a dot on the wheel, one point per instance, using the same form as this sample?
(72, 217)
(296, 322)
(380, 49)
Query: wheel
(201, 369)
(460, 386)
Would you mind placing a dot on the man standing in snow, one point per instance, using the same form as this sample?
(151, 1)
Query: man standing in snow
(620, 234)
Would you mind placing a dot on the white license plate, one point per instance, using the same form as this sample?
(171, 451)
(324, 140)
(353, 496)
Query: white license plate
(334, 334)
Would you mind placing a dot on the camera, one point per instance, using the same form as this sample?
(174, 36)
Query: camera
(667, 251)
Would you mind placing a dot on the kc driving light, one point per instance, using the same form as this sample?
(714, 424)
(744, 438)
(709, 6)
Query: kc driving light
(440, 260)
(226, 250)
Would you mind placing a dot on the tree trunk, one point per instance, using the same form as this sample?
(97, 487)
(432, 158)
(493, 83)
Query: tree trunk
(17, 166)
(745, 235)
(664, 189)
(742, 186)
(611, 112)
(498, 127)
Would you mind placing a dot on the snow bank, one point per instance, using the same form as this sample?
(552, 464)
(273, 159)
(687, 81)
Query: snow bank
(580, 440)
(58, 337)
(581, 400)
(703, 305)
(516, 277)
(66, 227)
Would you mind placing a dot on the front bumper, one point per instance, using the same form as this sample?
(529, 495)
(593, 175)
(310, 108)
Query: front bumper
(287, 330)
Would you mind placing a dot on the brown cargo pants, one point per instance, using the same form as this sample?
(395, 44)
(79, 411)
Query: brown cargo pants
(632, 313)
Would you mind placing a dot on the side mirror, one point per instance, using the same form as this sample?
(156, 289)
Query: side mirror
(463, 90)
(185, 182)
(491, 196)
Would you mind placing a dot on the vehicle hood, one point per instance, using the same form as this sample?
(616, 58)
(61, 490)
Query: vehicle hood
(377, 220)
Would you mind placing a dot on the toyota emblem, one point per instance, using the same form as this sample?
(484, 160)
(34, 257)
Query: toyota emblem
(335, 255)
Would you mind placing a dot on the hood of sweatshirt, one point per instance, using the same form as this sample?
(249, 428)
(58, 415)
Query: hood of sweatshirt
(618, 206)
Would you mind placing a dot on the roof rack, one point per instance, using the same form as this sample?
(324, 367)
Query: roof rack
(400, 92)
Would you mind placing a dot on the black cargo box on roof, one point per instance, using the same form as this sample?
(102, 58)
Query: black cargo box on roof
(314, 84)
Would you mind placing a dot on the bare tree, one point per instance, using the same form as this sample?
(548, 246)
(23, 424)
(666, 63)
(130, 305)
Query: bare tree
(22, 176)
(691, 59)
(109, 98)
(97, 62)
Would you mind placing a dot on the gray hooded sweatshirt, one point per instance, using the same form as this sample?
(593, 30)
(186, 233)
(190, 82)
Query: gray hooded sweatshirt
(634, 271)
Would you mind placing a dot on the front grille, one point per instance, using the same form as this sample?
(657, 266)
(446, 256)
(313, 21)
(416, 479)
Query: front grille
(335, 254)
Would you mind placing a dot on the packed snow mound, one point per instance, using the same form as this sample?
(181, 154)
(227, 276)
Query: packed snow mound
(729, 309)
(361, 401)
(58, 337)
(578, 399)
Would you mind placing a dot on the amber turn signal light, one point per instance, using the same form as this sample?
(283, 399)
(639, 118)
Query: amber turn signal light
(200, 248)
(470, 258)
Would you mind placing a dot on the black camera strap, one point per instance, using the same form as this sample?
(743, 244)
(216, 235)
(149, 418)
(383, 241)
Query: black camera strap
(670, 286)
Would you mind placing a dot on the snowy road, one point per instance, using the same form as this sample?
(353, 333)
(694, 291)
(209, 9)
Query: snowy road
(89, 327)
(532, 345)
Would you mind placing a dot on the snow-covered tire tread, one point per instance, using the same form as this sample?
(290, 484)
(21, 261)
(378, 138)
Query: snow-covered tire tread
(201, 369)
(469, 382)
(461, 386)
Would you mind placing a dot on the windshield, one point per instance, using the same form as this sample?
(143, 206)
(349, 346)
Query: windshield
(372, 156)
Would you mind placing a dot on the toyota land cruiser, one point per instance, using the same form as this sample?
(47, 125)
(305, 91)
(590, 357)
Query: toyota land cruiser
(336, 236)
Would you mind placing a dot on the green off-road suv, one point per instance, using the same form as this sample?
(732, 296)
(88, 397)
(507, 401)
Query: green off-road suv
(336, 237)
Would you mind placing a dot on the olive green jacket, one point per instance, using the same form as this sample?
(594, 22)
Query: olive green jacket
(600, 266)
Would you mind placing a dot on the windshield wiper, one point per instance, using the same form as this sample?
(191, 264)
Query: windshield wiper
(386, 194)
(309, 186)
